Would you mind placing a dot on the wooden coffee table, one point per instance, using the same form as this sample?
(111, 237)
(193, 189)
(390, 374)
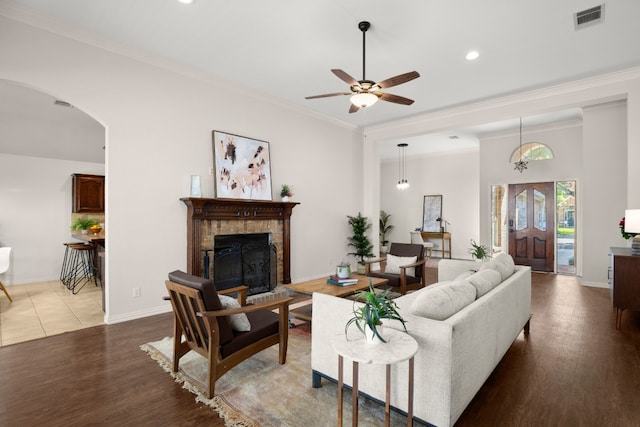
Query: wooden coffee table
(303, 292)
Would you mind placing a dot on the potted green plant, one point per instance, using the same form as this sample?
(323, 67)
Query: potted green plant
(479, 252)
(359, 241)
(83, 224)
(385, 227)
(286, 191)
(368, 315)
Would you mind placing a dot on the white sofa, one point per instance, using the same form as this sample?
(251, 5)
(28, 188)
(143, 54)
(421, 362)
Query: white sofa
(456, 355)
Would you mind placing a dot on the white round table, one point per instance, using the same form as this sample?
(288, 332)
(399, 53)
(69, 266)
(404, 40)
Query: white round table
(399, 347)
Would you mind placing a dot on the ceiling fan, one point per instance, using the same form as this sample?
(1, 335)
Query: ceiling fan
(365, 93)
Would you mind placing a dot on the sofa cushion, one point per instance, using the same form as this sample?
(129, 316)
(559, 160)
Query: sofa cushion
(239, 322)
(440, 303)
(484, 281)
(464, 276)
(507, 261)
(395, 262)
(501, 268)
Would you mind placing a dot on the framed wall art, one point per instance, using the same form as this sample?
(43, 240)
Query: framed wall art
(242, 168)
(431, 212)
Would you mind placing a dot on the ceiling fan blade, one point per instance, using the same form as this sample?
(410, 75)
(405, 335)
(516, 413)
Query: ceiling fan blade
(396, 99)
(326, 95)
(353, 108)
(344, 77)
(398, 80)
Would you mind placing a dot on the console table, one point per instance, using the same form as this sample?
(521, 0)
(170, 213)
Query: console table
(444, 237)
(624, 281)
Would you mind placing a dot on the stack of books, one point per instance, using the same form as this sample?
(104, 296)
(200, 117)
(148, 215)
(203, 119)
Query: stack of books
(339, 281)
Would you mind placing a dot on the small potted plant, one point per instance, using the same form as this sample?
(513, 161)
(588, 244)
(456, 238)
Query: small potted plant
(343, 270)
(83, 224)
(286, 191)
(385, 227)
(368, 316)
(479, 252)
(359, 241)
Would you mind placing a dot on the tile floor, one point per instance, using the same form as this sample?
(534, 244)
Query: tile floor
(47, 308)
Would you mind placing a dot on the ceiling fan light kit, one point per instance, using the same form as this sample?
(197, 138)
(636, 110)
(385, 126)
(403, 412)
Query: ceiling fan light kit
(364, 93)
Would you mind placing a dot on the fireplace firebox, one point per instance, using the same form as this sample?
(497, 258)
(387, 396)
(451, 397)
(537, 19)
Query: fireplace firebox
(245, 259)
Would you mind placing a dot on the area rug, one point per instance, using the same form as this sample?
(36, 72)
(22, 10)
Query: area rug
(261, 392)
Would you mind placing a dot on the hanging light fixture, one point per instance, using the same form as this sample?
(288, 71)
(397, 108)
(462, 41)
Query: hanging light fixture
(520, 165)
(403, 184)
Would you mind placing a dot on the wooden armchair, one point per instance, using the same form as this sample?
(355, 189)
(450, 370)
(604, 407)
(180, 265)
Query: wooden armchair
(400, 278)
(202, 324)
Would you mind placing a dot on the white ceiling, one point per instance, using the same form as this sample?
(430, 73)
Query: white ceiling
(286, 49)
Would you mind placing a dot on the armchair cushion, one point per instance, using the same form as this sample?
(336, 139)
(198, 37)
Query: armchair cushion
(239, 322)
(209, 297)
(265, 323)
(395, 262)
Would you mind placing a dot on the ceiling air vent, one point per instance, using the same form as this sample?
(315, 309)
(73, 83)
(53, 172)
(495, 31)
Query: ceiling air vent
(62, 103)
(589, 17)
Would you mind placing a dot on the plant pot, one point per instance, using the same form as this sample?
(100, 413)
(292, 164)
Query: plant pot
(361, 268)
(85, 231)
(343, 271)
(371, 338)
(384, 249)
(285, 198)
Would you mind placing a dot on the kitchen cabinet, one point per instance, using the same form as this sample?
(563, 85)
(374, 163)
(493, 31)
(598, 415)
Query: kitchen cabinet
(88, 193)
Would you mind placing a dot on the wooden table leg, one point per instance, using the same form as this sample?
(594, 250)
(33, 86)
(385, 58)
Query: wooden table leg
(387, 400)
(354, 396)
(340, 391)
(410, 402)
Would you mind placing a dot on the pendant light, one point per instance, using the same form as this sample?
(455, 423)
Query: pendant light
(520, 165)
(403, 184)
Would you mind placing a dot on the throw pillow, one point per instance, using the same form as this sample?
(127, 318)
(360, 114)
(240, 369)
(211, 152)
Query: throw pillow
(240, 321)
(394, 263)
(484, 281)
(442, 302)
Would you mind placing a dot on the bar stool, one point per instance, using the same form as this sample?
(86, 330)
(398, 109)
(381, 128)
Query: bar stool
(78, 267)
(416, 237)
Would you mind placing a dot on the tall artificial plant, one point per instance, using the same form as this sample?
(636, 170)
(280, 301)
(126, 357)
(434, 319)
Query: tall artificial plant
(359, 241)
(385, 227)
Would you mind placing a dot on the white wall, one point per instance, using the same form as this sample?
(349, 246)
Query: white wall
(158, 125)
(35, 214)
(605, 186)
(454, 176)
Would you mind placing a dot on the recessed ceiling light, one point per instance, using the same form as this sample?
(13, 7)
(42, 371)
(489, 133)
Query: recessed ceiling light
(186, 1)
(472, 55)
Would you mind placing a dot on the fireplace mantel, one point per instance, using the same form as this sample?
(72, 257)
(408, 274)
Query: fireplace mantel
(200, 209)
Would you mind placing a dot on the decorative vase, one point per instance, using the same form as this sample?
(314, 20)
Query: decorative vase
(370, 337)
(285, 198)
(343, 271)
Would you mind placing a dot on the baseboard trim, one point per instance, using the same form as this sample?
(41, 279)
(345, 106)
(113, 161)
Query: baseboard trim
(109, 320)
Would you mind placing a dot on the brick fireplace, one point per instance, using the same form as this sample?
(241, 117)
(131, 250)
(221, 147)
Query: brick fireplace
(207, 218)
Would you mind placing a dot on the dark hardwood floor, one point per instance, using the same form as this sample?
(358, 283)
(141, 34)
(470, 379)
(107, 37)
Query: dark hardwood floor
(574, 369)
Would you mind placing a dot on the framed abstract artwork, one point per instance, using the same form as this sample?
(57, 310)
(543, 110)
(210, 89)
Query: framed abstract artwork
(242, 168)
(431, 213)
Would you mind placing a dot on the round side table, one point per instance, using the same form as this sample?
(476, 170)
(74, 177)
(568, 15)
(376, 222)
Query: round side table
(399, 347)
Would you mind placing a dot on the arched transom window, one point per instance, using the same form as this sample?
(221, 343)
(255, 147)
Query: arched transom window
(532, 151)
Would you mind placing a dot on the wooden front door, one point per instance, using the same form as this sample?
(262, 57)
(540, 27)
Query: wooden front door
(531, 225)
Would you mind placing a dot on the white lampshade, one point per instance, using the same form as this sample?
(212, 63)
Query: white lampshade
(632, 225)
(632, 221)
(363, 100)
